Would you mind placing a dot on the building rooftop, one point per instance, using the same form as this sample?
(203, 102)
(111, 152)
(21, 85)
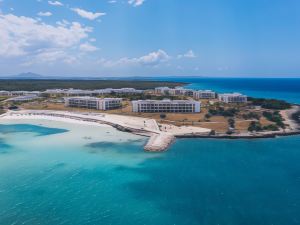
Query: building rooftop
(232, 94)
(92, 98)
(166, 101)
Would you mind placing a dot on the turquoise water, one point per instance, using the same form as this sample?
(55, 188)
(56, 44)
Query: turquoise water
(55, 173)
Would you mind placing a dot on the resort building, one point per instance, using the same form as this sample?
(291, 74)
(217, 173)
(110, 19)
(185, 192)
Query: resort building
(26, 98)
(94, 103)
(174, 92)
(162, 90)
(206, 94)
(5, 93)
(55, 92)
(78, 92)
(166, 106)
(127, 91)
(19, 93)
(233, 98)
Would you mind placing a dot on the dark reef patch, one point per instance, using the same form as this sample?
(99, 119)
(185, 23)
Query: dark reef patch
(103, 146)
(22, 128)
(4, 148)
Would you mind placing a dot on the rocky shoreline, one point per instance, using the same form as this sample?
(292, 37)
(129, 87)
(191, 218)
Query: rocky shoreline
(291, 118)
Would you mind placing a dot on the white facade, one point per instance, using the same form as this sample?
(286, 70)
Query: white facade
(162, 90)
(79, 92)
(19, 93)
(5, 93)
(233, 98)
(166, 106)
(174, 91)
(25, 98)
(206, 94)
(127, 91)
(94, 103)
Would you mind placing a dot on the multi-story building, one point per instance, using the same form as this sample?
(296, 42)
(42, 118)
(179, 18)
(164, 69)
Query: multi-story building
(174, 91)
(78, 92)
(5, 93)
(94, 103)
(127, 91)
(19, 93)
(55, 92)
(189, 92)
(24, 98)
(166, 106)
(206, 94)
(162, 90)
(233, 98)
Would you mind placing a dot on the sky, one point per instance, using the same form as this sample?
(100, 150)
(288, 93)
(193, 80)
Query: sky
(103, 38)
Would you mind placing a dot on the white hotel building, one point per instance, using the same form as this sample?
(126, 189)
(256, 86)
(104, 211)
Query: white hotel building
(174, 91)
(166, 106)
(206, 94)
(233, 98)
(94, 103)
(78, 92)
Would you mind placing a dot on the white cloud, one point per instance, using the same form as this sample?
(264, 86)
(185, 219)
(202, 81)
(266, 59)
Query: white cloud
(188, 54)
(154, 58)
(63, 23)
(44, 14)
(136, 2)
(87, 47)
(88, 15)
(112, 1)
(151, 59)
(49, 42)
(55, 3)
(50, 56)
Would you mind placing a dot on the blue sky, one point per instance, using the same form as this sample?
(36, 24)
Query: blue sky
(258, 38)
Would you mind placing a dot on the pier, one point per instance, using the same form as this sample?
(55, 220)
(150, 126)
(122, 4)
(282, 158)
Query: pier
(159, 142)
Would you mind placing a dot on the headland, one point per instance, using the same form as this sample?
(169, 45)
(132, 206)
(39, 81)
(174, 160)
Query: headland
(162, 113)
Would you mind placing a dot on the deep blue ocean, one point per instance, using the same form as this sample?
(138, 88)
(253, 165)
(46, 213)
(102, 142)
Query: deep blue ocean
(280, 88)
(70, 174)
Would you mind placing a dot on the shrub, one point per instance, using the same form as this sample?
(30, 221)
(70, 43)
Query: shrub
(212, 132)
(207, 116)
(163, 116)
(274, 117)
(271, 127)
(231, 122)
(255, 126)
(251, 115)
(270, 103)
(220, 111)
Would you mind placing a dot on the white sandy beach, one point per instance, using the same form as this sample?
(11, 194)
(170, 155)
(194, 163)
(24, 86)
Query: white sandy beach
(160, 138)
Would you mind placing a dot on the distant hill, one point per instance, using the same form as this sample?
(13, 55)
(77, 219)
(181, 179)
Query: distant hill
(27, 75)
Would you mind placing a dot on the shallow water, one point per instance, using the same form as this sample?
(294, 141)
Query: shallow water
(98, 175)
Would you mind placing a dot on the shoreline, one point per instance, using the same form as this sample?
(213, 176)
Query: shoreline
(158, 140)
